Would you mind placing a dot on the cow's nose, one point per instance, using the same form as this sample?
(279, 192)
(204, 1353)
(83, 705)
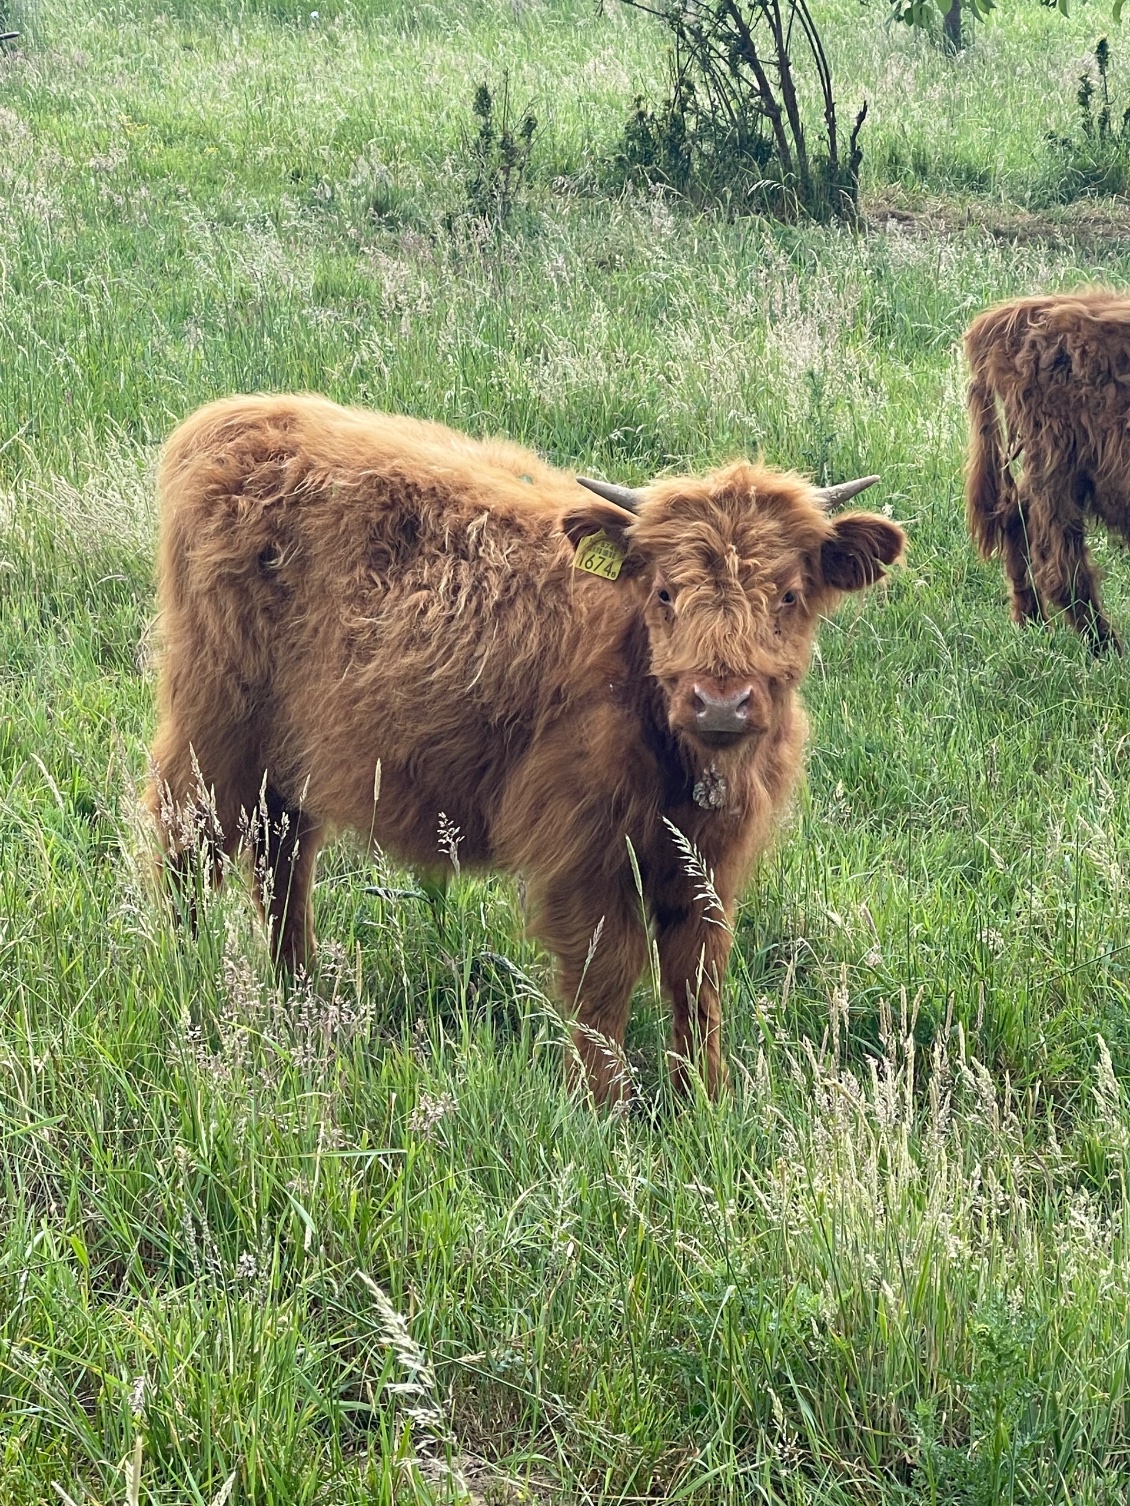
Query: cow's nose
(722, 713)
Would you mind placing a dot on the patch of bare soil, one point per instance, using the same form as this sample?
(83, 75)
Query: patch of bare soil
(1098, 226)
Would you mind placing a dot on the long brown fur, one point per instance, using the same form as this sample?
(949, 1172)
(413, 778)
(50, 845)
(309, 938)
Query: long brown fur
(1050, 387)
(341, 589)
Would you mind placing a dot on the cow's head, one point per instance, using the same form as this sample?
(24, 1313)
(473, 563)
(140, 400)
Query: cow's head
(735, 569)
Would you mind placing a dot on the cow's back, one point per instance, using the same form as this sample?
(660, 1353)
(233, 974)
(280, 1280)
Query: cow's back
(1060, 367)
(361, 587)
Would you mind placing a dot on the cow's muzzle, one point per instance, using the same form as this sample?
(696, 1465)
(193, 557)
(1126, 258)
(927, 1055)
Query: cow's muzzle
(722, 716)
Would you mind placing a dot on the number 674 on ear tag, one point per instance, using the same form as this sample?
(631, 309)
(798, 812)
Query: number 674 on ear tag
(599, 555)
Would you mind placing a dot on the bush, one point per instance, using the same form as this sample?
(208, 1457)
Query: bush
(730, 130)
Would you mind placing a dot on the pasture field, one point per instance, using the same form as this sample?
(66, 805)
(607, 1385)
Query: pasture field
(359, 1245)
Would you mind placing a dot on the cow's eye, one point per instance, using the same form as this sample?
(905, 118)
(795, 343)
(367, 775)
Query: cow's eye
(789, 599)
(664, 596)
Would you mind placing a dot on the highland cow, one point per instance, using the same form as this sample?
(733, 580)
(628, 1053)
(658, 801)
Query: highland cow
(1049, 399)
(558, 670)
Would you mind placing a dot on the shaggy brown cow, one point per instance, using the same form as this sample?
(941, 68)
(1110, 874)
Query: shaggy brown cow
(1050, 387)
(341, 590)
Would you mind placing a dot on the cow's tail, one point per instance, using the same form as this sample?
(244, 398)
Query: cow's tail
(218, 565)
(219, 559)
(991, 499)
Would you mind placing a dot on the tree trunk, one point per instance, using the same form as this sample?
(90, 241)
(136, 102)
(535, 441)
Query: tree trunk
(951, 27)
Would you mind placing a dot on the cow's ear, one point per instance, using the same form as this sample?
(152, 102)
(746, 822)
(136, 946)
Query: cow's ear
(861, 543)
(595, 516)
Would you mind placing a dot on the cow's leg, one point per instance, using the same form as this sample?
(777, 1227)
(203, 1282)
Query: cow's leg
(197, 804)
(692, 963)
(284, 846)
(1065, 574)
(1017, 556)
(601, 951)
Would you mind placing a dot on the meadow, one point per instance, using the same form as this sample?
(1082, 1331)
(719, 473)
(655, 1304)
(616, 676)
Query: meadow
(359, 1244)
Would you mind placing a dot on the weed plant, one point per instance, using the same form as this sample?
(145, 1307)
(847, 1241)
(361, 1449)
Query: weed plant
(1096, 160)
(499, 152)
(358, 1245)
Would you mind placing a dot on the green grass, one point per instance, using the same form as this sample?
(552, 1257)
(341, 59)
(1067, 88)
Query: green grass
(360, 1246)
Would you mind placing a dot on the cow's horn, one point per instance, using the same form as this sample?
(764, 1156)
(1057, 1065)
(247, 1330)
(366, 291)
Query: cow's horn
(623, 496)
(836, 496)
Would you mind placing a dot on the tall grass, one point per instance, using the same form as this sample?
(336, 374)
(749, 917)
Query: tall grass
(359, 1245)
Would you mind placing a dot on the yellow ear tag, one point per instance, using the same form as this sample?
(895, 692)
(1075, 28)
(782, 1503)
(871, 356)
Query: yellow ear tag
(599, 555)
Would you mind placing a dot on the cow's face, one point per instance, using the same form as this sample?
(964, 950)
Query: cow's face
(734, 571)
